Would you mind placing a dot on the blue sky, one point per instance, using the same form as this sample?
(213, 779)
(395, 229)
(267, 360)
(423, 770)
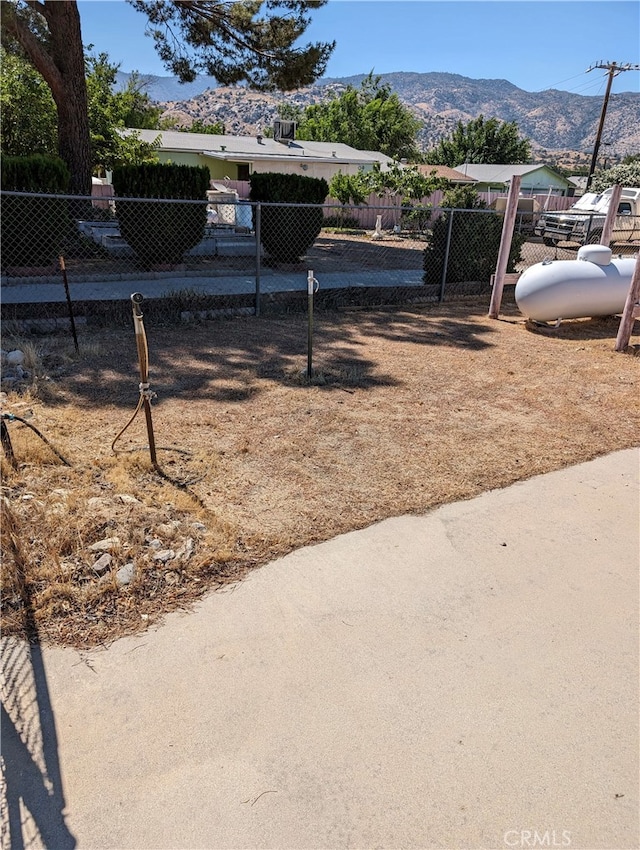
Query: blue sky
(535, 45)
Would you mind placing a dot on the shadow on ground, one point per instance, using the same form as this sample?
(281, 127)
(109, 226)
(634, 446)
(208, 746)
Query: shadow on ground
(228, 359)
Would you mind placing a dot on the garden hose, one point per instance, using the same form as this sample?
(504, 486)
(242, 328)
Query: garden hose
(6, 441)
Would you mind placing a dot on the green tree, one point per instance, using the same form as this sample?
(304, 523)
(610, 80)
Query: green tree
(29, 121)
(479, 141)
(111, 111)
(29, 117)
(349, 188)
(198, 126)
(462, 198)
(231, 41)
(405, 182)
(627, 174)
(368, 118)
(478, 233)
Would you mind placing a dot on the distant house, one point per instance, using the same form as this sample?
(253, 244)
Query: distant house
(536, 179)
(579, 181)
(455, 177)
(237, 157)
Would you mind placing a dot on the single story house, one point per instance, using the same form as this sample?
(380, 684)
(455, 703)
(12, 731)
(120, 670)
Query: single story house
(537, 179)
(455, 177)
(237, 157)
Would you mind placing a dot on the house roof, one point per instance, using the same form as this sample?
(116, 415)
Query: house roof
(445, 172)
(248, 148)
(502, 173)
(579, 181)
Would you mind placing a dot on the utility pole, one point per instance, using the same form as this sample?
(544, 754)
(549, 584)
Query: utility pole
(613, 69)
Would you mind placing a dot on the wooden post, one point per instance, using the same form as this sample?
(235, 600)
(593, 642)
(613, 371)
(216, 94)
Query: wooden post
(630, 312)
(612, 212)
(505, 246)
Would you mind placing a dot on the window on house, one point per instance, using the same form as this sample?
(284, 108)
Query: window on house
(243, 171)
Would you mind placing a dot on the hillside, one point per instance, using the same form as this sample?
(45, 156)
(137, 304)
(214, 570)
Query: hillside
(553, 120)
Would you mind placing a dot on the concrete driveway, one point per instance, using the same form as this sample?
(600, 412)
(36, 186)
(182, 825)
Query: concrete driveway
(463, 679)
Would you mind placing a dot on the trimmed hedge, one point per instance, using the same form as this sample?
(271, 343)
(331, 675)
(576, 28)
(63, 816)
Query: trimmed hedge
(476, 237)
(161, 233)
(33, 229)
(287, 233)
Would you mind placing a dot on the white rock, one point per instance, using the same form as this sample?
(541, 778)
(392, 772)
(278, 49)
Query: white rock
(126, 574)
(164, 555)
(15, 358)
(186, 550)
(103, 563)
(105, 545)
(126, 499)
(167, 528)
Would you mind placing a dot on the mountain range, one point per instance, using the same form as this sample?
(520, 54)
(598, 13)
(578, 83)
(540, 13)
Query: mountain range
(554, 121)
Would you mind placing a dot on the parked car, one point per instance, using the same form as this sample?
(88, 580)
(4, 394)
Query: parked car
(583, 222)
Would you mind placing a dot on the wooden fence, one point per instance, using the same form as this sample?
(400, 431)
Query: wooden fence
(388, 206)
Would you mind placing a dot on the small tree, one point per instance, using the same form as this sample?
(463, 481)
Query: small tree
(287, 232)
(159, 232)
(348, 189)
(474, 244)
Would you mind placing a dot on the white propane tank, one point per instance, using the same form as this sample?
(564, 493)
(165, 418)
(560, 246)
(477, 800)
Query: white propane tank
(592, 285)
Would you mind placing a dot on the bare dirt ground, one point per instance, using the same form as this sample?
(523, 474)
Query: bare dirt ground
(408, 409)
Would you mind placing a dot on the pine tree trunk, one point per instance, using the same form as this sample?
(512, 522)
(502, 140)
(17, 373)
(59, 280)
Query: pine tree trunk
(60, 60)
(70, 91)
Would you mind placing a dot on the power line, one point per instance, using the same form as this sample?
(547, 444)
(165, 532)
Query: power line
(613, 69)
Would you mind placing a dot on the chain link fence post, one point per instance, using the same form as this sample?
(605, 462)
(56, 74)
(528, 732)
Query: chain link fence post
(258, 249)
(445, 264)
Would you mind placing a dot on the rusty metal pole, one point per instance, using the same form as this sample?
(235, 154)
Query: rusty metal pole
(63, 269)
(6, 444)
(143, 360)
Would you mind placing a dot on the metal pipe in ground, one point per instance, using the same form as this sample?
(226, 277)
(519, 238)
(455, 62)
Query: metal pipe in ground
(258, 231)
(143, 361)
(63, 269)
(312, 288)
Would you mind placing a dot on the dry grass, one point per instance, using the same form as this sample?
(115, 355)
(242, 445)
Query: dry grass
(408, 409)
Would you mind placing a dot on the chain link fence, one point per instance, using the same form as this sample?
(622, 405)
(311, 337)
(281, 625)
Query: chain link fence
(70, 258)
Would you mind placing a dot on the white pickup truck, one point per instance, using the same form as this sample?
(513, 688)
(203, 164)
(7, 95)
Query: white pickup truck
(583, 222)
